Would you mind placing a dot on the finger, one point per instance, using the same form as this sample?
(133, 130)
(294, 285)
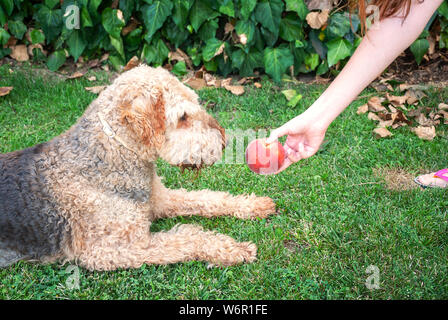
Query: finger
(277, 133)
(293, 156)
(301, 150)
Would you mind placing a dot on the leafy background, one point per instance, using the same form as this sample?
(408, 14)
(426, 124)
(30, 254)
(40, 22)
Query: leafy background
(224, 36)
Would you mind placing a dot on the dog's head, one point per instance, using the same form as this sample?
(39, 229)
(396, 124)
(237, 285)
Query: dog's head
(164, 117)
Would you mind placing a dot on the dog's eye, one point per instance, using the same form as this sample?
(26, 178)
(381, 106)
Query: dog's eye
(184, 117)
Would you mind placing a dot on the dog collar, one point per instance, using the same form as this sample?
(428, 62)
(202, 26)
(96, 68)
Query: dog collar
(107, 129)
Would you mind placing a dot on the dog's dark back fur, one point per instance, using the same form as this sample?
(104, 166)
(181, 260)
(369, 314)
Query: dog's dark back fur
(26, 220)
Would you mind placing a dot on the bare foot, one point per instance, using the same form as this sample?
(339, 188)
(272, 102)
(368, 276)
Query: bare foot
(429, 180)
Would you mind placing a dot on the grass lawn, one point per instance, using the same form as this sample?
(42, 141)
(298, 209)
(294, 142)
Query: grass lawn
(336, 216)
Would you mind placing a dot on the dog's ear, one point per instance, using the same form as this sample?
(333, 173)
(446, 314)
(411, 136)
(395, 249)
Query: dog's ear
(144, 114)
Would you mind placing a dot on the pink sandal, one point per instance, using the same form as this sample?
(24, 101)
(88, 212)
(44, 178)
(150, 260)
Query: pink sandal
(442, 174)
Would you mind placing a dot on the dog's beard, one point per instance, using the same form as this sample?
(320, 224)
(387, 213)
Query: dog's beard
(192, 150)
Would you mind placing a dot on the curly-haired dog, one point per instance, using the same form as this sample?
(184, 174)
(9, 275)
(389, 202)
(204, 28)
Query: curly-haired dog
(90, 194)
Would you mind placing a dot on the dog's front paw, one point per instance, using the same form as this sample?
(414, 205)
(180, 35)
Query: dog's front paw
(263, 206)
(239, 252)
(256, 207)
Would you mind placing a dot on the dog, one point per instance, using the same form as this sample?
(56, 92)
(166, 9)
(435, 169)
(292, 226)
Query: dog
(89, 195)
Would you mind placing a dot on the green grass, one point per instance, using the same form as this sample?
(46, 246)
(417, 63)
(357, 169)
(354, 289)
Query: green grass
(336, 217)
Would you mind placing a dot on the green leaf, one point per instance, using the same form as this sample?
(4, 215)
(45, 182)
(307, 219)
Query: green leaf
(338, 49)
(93, 10)
(443, 42)
(323, 68)
(226, 7)
(127, 7)
(269, 37)
(268, 14)
(37, 36)
(50, 21)
(76, 44)
(311, 61)
(8, 5)
(116, 61)
(289, 94)
(419, 48)
(174, 34)
(3, 17)
(195, 55)
(276, 61)
(117, 43)
(180, 68)
(338, 26)
(86, 20)
(112, 22)
(17, 28)
(211, 65)
(247, 62)
(443, 9)
(180, 12)
(208, 30)
(4, 36)
(56, 60)
(155, 53)
(133, 40)
(247, 28)
(213, 47)
(247, 7)
(4, 52)
(297, 6)
(294, 100)
(155, 15)
(201, 12)
(51, 3)
(291, 29)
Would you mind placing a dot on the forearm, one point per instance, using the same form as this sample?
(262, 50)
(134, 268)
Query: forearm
(377, 50)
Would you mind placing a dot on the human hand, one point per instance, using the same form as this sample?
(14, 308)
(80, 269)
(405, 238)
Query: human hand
(305, 135)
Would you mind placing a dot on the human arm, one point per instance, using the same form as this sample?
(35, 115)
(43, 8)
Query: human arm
(379, 48)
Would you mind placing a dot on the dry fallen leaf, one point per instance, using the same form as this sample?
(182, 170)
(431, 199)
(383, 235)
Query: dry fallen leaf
(316, 19)
(31, 47)
(5, 90)
(133, 24)
(372, 116)
(397, 101)
(91, 78)
(228, 28)
(196, 83)
(423, 120)
(443, 106)
(236, 90)
(19, 53)
(77, 74)
(220, 50)
(405, 86)
(257, 85)
(180, 56)
(375, 104)
(382, 133)
(96, 89)
(362, 109)
(132, 63)
(425, 133)
(319, 4)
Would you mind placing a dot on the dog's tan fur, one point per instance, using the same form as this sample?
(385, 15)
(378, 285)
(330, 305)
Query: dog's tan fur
(103, 192)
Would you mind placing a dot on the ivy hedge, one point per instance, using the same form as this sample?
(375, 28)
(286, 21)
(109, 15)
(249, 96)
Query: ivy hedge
(225, 36)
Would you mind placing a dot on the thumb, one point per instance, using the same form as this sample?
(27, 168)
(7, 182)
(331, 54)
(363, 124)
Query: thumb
(277, 133)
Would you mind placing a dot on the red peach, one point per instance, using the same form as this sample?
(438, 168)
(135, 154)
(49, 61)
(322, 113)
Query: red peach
(264, 158)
